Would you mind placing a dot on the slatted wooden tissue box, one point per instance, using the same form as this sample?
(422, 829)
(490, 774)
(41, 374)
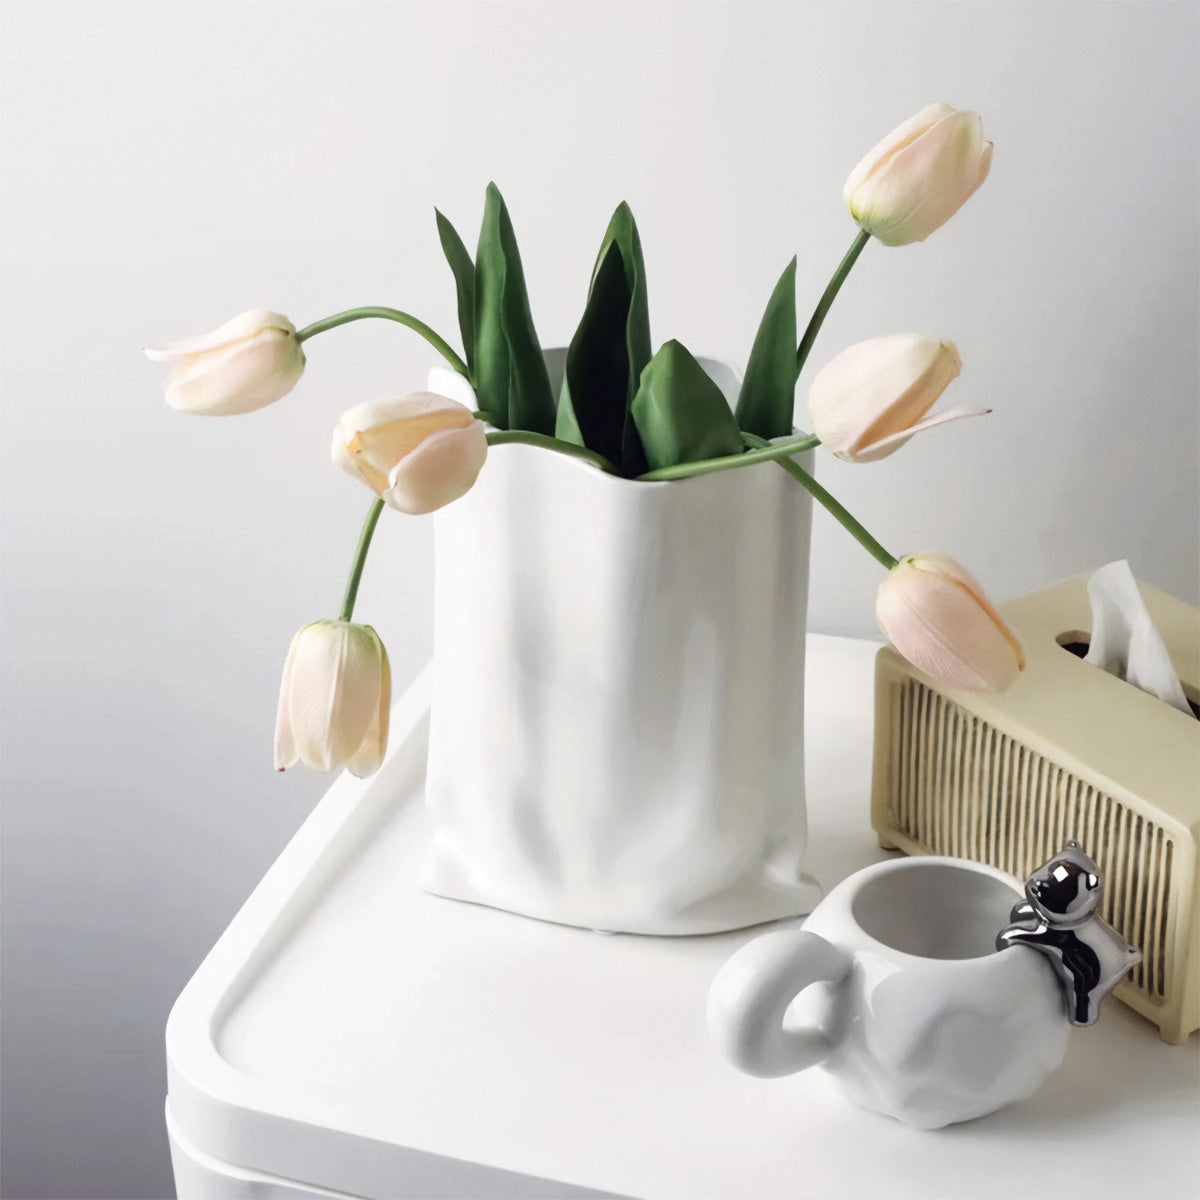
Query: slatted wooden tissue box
(1068, 751)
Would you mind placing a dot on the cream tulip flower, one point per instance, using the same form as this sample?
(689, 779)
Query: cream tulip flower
(919, 176)
(869, 400)
(334, 699)
(419, 452)
(248, 363)
(938, 617)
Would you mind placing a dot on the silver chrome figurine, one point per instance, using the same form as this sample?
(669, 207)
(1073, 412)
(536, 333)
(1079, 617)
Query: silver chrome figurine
(1058, 918)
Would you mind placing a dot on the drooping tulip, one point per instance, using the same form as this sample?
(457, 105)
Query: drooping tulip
(920, 175)
(248, 363)
(869, 400)
(419, 452)
(334, 699)
(938, 617)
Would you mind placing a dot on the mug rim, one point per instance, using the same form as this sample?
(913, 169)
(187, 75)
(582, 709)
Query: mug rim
(853, 885)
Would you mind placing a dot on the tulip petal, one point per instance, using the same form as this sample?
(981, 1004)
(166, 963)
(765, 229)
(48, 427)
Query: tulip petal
(890, 444)
(917, 633)
(334, 699)
(368, 758)
(354, 700)
(286, 753)
(903, 135)
(371, 438)
(244, 325)
(334, 692)
(237, 378)
(346, 452)
(925, 182)
(441, 469)
(312, 688)
(878, 388)
(938, 617)
(933, 369)
(944, 566)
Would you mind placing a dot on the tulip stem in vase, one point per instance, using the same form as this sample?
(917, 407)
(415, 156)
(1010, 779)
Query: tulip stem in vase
(360, 558)
(826, 302)
(389, 314)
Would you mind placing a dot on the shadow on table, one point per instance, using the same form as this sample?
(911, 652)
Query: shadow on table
(836, 856)
(1122, 1047)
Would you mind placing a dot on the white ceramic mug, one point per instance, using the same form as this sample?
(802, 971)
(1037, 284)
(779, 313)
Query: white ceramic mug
(895, 987)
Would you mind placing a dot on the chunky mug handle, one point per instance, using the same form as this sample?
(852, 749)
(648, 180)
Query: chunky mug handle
(752, 991)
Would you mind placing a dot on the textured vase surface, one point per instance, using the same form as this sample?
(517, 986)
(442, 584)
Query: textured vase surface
(616, 736)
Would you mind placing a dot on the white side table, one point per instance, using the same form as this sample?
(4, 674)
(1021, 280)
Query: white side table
(351, 1035)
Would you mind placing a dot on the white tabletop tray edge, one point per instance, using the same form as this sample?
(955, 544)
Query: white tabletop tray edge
(203, 1086)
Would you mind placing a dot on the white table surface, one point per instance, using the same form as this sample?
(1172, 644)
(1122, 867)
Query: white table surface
(345, 1003)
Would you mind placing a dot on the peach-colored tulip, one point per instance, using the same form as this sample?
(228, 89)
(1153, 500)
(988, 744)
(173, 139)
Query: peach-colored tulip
(248, 363)
(920, 175)
(869, 400)
(937, 616)
(419, 453)
(334, 699)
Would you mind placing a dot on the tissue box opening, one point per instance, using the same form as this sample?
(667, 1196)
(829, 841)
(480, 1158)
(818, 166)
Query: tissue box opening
(1077, 642)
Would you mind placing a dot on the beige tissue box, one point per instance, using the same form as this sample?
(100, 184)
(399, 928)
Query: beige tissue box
(1068, 751)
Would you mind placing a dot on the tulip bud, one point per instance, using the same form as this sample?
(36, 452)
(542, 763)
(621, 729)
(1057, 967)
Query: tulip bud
(418, 453)
(920, 175)
(937, 616)
(248, 363)
(334, 699)
(866, 403)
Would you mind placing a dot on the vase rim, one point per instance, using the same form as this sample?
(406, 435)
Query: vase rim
(582, 464)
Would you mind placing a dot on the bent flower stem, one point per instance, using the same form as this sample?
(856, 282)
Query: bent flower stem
(388, 314)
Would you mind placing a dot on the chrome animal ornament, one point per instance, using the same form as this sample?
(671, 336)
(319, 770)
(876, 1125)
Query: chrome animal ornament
(1058, 919)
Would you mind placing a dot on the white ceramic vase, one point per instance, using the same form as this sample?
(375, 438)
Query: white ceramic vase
(617, 730)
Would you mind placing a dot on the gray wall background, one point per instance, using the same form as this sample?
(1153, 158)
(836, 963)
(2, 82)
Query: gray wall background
(166, 165)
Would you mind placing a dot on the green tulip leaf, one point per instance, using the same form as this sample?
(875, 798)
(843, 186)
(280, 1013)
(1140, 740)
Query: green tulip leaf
(768, 396)
(680, 413)
(531, 402)
(566, 427)
(609, 350)
(464, 281)
(623, 230)
(491, 346)
(595, 393)
(511, 380)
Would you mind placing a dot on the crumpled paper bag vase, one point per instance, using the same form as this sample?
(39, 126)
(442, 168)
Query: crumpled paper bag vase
(617, 721)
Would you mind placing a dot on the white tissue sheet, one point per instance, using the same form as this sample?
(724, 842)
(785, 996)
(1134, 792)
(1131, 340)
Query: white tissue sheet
(1124, 641)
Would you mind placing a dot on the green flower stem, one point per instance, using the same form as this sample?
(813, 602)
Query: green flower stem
(818, 318)
(389, 314)
(768, 452)
(360, 558)
(504, 437)
(835, 506)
